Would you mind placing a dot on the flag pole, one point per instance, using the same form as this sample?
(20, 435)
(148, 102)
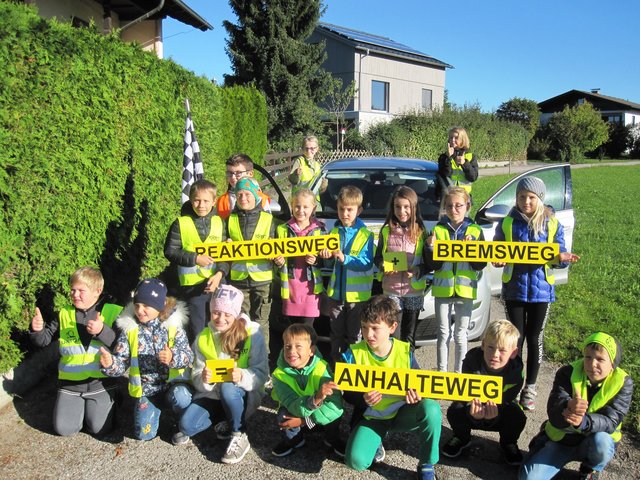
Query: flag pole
(186, 105)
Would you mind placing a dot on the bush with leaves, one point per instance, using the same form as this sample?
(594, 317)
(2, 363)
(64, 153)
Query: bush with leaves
(522, 111)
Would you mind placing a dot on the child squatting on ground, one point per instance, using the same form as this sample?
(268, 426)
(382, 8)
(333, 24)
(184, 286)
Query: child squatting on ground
(389, 413)
(586, 406)
(306, 394)
(497, 356)
(85, 396)
(154, 347)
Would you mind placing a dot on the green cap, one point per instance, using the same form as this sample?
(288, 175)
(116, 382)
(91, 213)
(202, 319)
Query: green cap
(609, 343)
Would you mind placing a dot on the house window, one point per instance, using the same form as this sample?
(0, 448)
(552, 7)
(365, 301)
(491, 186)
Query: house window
(379, 95)
(426, 99)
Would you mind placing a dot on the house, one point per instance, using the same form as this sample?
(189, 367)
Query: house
(138, 20)
(390, 78)
(612, 109)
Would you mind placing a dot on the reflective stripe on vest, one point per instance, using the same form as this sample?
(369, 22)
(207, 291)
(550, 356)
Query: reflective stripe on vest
(609, 389)
(189, 236)
(507, 230)
(399, 357)
(316, 274)
(258, 270)
(358, 284)
(416, 283)
(457, 174)
(76, 363)
(455, 277)
(207, 347)
(313, 380)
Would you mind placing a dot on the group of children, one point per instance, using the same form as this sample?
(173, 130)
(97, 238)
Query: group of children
(167, 344)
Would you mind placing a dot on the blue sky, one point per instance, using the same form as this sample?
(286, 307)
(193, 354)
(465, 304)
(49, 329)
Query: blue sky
(500, 48)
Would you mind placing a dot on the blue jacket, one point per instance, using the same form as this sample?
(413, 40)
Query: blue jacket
(528, 282)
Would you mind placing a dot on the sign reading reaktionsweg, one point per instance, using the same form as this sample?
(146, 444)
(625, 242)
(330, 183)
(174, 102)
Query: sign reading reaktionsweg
(509, 252)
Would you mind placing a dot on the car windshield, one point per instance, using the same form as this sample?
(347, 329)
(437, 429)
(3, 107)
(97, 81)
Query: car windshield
(377, 187)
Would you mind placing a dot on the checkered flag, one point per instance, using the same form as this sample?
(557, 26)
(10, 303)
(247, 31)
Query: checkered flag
(192, 169)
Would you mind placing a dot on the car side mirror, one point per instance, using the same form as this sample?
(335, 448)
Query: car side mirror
(496, 212)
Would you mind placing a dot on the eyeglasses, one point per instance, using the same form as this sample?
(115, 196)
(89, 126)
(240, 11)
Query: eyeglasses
(236, 174)
(455, 206)
(311, 148)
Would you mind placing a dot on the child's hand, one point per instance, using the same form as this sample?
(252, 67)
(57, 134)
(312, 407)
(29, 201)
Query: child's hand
(213, 283)
(106, 359)
(236, 375)
(204, 260)
(94, 327)
(498, 264)
(165, 355)
(37, 322)
(568, 257)
(339, 255)
(372, 397)
(469, 238)
(325, 390)
(206, 375)
(310, 259)
(324, 253)
(279, 261)
(450, 148)
(476, 409)
(290, 422)
(490, 410)
(412, 397)
(578, 405)
(431, 239)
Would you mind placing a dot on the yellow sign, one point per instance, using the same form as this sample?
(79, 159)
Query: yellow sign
(269, 248)
(510, 252)
(437, 385)
(221, 370)
(394, 261)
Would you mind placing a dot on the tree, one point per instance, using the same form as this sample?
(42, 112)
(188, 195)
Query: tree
(337, 101)
(522, 111)
(269, 48)
(576, 130)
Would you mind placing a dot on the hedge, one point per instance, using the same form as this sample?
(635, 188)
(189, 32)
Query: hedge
(91, 143)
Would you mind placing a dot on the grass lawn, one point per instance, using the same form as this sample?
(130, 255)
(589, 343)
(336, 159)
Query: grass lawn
(603, 292)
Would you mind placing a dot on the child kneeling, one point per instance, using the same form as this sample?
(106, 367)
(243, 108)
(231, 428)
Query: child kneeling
(586, 405)
(497, 356)
(303, 385)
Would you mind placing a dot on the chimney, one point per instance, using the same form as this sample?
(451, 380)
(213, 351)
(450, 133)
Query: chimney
(595, 91)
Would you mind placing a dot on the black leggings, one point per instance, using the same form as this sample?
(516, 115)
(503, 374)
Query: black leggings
(529, 319)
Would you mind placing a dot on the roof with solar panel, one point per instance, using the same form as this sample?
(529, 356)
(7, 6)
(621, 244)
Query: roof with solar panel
(382, 45)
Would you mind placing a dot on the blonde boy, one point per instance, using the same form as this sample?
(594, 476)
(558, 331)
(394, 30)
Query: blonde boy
(497, 356)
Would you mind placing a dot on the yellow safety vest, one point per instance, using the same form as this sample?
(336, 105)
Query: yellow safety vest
(507, 229)
(610, 388)
(189, 236)
(399, 357)
(307, 174)
(283, 232)
(416, 283)
(313, 382)
(358, 284)
(455, 277)
(457, 174)
(76, 363)
(257, 270)
(135, 381)
(207, 346)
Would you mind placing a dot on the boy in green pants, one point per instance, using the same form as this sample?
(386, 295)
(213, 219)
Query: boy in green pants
(389, 413)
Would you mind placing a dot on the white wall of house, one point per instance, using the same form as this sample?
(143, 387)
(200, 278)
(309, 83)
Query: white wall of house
(631, 118)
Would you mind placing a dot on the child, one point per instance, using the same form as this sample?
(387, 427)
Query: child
(386, 413)
(458, 163)
(586, 406)
(252, 277)
(497, 356)
(454, 283)
(304, 388)
(154, 347)
(528, 290)
(85, 396)
(199, 274)
(238, 166)
(300, 277)
(403, 231)
(228, 335)
(352, 275)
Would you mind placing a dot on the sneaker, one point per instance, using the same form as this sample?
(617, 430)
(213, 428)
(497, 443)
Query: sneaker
(237, 449)
(268, 385)
(338, 446)
(587, 473)
(426, 472)
(180, 438)
(454, 447)
(222, 430)
(512, 454)
(528, 398)
(381, 453)
(286, 446)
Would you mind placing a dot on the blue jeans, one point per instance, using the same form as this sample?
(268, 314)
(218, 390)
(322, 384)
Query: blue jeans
(595, 451)
(147, 410)
(198, 416)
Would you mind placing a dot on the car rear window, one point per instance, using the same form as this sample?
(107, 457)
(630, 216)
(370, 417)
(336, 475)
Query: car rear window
(377, 187)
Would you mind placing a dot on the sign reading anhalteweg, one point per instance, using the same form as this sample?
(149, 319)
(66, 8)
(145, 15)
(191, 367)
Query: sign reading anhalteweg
(270, 248)
(509, 252)
(437, 385)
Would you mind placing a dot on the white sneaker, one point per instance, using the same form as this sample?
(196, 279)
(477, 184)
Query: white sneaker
(237, 449)
(180, 438)
(528, 398)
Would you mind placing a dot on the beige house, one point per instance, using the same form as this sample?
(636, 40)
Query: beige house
(390, 78)
(138, 20)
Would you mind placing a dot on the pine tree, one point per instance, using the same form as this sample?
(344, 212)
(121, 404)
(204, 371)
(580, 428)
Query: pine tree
(269, 48)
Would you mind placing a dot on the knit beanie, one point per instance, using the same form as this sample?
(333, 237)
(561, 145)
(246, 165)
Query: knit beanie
(609, 343)
(248, 184)
(151, 292)
(534, 185)
(227, 299)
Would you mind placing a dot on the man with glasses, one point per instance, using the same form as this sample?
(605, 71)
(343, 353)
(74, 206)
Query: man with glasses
(238, 166)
